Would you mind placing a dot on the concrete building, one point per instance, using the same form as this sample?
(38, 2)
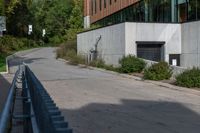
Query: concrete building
(157, 30)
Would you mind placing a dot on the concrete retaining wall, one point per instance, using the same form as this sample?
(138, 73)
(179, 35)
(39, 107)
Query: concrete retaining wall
(169, 33)
(119, 40)
(110, 48)
(190, 44)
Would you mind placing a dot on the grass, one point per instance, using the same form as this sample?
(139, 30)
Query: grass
(2, 63)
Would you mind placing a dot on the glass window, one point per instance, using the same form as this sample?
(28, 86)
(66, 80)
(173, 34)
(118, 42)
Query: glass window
(156, 11)
(182, 11)
(105, 3)
(100, 5)
(198, 9)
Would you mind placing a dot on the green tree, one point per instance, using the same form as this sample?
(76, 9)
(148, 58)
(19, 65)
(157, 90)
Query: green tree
(2, 7)
(75, 20)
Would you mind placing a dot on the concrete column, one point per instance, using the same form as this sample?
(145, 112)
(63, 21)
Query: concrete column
(86, 13)
(87, 22)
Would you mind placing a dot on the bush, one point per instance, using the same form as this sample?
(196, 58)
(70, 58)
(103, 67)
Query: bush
(189, 78)
(159, 71)
(2, 62)
(97, 63)
(10, 44)
(65, 48)
(131, 64)
(75, 60)
(55, 40)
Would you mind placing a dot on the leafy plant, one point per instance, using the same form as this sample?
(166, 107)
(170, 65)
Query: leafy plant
(189, 78)
(97, 63)
(131, 64)
(65, 48)
(159, 71)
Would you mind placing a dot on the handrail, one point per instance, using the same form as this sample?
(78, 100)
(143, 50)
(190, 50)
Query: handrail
(40, 113)
(7, 110)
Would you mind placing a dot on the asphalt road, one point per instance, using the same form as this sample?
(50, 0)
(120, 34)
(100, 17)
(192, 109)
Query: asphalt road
(99, 102)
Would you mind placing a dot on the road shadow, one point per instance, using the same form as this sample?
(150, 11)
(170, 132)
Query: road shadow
(133, 116)
(4, 89)
(14, 63)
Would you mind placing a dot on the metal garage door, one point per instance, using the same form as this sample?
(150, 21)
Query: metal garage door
(150, 51)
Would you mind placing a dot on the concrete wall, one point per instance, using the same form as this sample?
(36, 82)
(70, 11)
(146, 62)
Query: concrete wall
(119, 40)
(169, 33)
(111, 47)
(190, 44)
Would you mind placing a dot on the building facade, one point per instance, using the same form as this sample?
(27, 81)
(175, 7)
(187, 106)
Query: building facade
(156, 30)
(107, 12)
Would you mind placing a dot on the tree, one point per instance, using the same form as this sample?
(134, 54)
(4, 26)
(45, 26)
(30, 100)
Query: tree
(2, 7)
(75, 20)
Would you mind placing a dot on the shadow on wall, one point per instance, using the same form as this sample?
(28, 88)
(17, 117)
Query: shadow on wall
(17, 60)
(4, 89)
(133, 116)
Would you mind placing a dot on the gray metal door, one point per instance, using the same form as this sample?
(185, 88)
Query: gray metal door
(149, 51)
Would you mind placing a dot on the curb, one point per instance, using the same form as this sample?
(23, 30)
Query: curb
(161, 84)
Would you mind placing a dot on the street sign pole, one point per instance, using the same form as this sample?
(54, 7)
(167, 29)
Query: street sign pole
(30, 30)
(2, 25)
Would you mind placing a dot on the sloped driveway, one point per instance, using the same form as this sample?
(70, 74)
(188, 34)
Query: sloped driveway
(98, 102)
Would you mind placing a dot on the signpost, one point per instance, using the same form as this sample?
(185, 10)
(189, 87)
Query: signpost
(43, 33)
(30, 29)
(2, 25)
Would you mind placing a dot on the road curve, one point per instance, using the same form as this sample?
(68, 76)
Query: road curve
(98, 102)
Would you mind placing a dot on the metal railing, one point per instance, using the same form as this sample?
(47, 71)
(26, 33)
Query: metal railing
(40, 113)
(6, 115)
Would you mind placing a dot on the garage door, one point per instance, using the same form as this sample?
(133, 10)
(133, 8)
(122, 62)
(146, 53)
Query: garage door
(150, 51)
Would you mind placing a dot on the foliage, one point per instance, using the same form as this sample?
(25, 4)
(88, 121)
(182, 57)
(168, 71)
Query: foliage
(131, 64)
(189, 78)
(99, 63)
(65, 47)
(61, 19)
(10, 44)
(159, 71)
(2, 62)
(2, 7)
(68, 52)
(19, 16)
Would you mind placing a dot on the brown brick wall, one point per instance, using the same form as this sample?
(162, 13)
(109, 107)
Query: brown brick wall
(110, 9)
(86, 8)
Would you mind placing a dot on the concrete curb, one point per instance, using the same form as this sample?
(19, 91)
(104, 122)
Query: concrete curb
(19, 53)
(166, 85)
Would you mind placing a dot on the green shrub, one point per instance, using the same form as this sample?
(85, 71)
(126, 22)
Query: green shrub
(10, 44)
(55, 40)
(159, 71)
(97, 63)
(64, 48)
(189, 78)
(77, 60)
(112, 68)
(2, 62)
(131, 64)
(70, 54)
